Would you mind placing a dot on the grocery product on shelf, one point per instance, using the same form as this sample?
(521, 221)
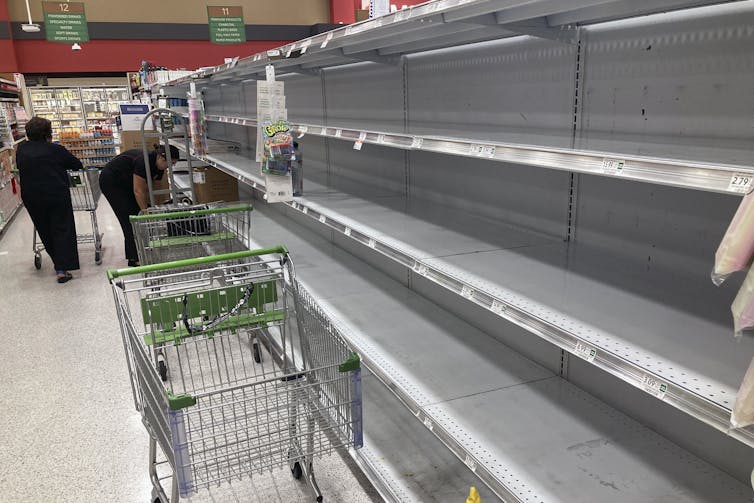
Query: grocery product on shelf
(94, 148)
(737, 247)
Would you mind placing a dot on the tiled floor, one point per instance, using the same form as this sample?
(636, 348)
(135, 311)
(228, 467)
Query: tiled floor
(69, 429)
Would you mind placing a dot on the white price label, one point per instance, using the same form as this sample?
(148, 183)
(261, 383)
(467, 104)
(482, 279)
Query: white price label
(470, 463)
(347, 231)
(467, 292)
(338, 133)
(431, 7)
(380, 138)
(326, 41)
(498, 307)
(254, 184)
(585, 352)
(740, 182)
(305, 46)
(322, 218)
(402, 14)
(290, 50)
(357, 145)
(420, 268)
(362, 136)
(489, 151)
(305, 210)
(475, 149)
(654, 386)
(372, 243)
(270, 73)
(302, 131)
(417, 142)
(613, 166)
(257, 57)
(428, 423)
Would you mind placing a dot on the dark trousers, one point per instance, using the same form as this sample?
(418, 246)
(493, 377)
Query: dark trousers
(53, 218)
(123, 202)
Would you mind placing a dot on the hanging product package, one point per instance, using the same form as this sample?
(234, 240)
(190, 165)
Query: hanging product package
(736, 250)
(277, 161)
(743, 305)
(743, 409)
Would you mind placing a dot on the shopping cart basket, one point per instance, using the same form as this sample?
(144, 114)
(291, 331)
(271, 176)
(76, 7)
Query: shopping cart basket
(85, 194)
(167, 233)
(223, 414)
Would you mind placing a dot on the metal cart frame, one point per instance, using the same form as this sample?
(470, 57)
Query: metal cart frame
(85, 195)
(226, 412)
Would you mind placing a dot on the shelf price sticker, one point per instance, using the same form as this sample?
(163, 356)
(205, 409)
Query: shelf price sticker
(381, 138)
(338, 133)
(372, 243)
(467, 292)
(417, 142)
(428, 423)
(585, 352)
(305, 210)
(326, 41)
(420, 268)
(302, 131)
(360, 142)
(305, 46)
(654, 386)
(322, 219)
(613, 166)
(498, 307)
(469, 461)
(347, 231)
(741, 182)
(488, 151)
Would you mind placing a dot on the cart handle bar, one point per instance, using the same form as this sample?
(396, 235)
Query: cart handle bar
(190, 213)
(144, 269)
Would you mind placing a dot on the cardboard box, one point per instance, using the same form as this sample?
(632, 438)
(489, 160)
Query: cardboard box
(130, 140)
(211, 184)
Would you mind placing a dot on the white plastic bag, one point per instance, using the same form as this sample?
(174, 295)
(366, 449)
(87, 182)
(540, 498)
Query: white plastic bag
(736, 250)
(743, 409)
(743, 305)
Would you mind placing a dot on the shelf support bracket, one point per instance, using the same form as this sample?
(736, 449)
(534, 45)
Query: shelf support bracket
(567, 34)
(372, 56)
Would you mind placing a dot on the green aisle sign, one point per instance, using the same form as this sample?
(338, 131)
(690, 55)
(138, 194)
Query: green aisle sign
(65, 22)
(226, 25)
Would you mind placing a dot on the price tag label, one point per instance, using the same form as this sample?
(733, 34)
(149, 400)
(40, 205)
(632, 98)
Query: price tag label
(338, 133)
(654, 386)
(360, 141)
(290, 50)
(305, 210)
(420, 268)
(585, 351)
(470, 463)
(380, 138)
(498, 307)
(428, 423)
(741, 182)
(305, 46)
(489, 151)
(467, 291)
(476, 149)
(270, 73)
(613, 166)
(347, 231)
(322, 218)
(326, 41)
(417, 142)
(372, 243)
(302, 131)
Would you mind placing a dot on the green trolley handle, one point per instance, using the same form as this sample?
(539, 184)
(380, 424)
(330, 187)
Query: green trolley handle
(212, 259)
(190, 213)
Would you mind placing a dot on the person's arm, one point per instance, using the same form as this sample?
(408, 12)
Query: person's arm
(141, 192)
(70, 161)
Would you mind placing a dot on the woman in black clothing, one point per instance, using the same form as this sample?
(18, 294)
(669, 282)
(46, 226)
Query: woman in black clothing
(124, 183)
(45, 192)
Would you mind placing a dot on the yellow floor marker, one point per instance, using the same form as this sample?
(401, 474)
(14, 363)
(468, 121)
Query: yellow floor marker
(473, 496)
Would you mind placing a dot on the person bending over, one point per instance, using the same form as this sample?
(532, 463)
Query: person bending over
(124, 184)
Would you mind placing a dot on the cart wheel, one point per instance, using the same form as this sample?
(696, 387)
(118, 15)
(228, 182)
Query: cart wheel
(37, 262)
(162, 369)
(257, 353)
(296, 470)
(97, 257)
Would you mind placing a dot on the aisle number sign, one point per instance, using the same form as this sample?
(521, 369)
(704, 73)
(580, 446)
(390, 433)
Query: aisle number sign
(226, 25)
(65, 22)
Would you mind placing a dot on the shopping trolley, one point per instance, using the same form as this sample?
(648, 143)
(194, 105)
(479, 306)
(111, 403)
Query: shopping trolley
(166, 233)
(85, 194)
(222, 414)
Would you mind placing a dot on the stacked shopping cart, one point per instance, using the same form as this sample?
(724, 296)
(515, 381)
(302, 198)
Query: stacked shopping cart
(225, 410)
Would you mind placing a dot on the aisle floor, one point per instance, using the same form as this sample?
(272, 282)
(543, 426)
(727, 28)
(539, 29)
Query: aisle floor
(70, 431)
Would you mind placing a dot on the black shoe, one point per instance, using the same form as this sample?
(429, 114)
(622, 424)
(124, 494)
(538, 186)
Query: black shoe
(65, 279)
(133, 263)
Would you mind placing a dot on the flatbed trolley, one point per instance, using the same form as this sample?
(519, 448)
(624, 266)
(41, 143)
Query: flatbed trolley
(85, 195)
(166, 233)
(221, 415)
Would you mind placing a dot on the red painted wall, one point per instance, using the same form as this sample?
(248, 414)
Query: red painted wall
(40, 56)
